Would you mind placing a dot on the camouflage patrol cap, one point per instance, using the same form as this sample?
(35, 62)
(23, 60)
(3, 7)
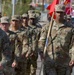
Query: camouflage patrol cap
(31, 16)
(59, 8)
(37, 15)
(18, 17)
(4, 19)
(30, 11)
(25, 15)
(15, 17)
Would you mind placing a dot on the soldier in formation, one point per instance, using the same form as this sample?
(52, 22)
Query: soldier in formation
(5, 51)
(22, 47)
(69, 20)
(33, 36)
(24, 21)
(12, 36)
(59, 56)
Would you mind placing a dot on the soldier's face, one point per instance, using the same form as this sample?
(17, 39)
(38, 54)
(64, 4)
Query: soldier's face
(31, 20)
(59, 15)
(14, 22)
(24, 20)
(5, 26)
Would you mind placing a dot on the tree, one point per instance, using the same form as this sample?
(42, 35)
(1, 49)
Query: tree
(23, 6)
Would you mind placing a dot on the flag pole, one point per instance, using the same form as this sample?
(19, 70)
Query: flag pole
(46, 44)
(70, 6)
(50, 26)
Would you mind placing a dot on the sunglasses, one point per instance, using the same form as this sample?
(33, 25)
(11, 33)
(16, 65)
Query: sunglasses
(24, 17)
(15, 20)
(59, 12)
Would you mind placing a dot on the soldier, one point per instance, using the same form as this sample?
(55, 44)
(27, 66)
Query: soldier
(57, 58)
(24, 21)
(33, 35)
(12, 36)
(20, 20)
(5, 52)
(22, 48)
(69, 21)
(37, 18)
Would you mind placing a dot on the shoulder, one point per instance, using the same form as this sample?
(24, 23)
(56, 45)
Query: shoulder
(12, 34)
(23, 33)
(72, 31)
(2, 33)
(45, 28)
(68, 24)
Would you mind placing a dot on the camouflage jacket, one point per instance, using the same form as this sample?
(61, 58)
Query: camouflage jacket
(24, 28)
(60, 43)
(22, 46)
(33, 35)
(13, 39)
(5, 50)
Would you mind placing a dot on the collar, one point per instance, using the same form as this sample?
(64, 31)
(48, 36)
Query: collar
(59, 25)
(32, 26)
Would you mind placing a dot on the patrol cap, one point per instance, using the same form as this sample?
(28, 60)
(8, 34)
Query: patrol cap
(37, 15)
(18, 17)
(4, 19)
(30, 11)
(59, 8)
(25, 15)
(31, 16)
(15, 17)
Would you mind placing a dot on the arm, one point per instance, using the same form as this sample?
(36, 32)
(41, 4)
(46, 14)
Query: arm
(6, 51)
(42, 40)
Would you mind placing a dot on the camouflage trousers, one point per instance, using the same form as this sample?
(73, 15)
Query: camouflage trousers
(21, 68)
(51, 69)
(31, 66)
(60, 70)
(7, 71)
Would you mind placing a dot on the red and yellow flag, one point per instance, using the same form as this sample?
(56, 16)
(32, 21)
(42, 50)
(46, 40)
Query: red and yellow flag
(51, 7)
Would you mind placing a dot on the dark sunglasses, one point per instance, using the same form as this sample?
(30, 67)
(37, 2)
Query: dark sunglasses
(15, 20)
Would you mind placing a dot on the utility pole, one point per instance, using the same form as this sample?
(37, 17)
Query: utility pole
(42, 5)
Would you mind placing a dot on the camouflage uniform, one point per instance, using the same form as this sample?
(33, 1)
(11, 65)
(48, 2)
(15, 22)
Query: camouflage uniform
(24, 16)
(5, 54)
(5, 20)
(58, 51)
(69, 22)
(13, 39)
(20, 52)
(22, 48)
(33, 35)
